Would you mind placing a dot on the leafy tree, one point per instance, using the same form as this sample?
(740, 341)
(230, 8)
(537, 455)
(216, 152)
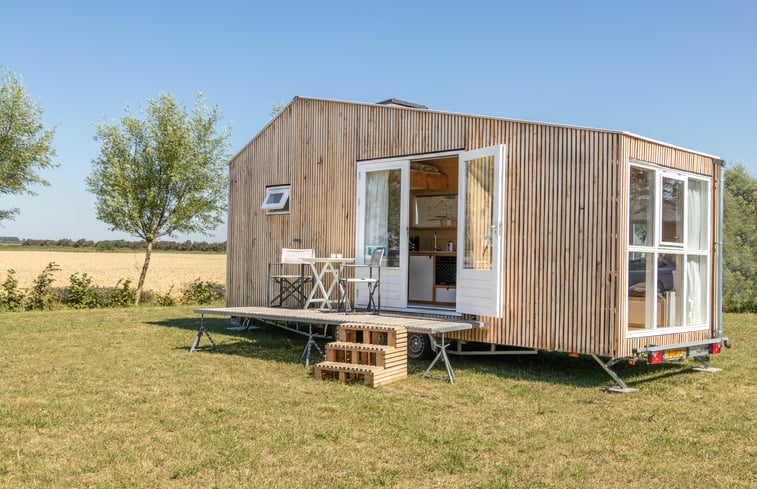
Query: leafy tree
(25, 145)
(162, 174)
(276, 108)
(740, 241)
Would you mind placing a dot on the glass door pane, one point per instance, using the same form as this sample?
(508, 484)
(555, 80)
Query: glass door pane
(383, 193)
(479, 209)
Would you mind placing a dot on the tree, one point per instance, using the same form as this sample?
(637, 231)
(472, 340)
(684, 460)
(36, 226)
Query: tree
(25, 145)
(162, 174)
(740, 241)
(276, 108)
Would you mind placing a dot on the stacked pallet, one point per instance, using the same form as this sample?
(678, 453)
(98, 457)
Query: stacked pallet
(377, 355)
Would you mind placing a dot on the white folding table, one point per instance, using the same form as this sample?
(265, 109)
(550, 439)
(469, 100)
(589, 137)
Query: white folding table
(322, 268)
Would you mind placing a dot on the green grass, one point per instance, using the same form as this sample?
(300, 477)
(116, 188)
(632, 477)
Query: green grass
(112, 399)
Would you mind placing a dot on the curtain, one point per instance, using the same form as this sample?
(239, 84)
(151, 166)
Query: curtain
(696, 266)
(376, 210)
(696, 302)
(697, 219)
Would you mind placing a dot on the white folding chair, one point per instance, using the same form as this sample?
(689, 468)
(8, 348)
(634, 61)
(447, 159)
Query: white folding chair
(348, 275)
(290, 275)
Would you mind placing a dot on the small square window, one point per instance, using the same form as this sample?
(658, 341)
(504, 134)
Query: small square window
(276, 200)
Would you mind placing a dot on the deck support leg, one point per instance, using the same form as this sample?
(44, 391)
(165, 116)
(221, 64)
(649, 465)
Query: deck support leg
(305, 357)
(441, 354)
(621, 387)
(200, 332)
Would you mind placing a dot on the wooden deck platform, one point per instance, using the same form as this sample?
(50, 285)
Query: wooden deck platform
(414, 323)
(315, 323)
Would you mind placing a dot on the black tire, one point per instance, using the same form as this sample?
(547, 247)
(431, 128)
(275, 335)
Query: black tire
(418, 346)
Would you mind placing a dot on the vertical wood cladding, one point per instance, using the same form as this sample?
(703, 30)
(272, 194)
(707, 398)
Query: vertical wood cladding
(565, 211)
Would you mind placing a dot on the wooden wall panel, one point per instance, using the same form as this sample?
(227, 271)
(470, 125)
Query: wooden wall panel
(564, 223)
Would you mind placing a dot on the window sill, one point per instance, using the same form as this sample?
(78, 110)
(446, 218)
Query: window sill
(639, 333)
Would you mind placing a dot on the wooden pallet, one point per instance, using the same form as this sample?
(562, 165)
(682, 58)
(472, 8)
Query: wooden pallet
(377, 355)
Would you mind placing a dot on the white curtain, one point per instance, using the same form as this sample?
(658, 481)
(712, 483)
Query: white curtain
(376, 210)
(697, 219)
(696, 302)
(696, 266)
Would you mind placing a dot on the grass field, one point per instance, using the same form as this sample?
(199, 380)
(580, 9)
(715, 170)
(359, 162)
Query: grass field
(166, 269)
(111, 398)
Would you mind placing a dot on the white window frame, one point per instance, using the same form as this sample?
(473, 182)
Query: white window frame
(280, 206)
(660, 247)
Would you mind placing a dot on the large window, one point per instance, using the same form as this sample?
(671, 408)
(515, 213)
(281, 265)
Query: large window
(669, 252)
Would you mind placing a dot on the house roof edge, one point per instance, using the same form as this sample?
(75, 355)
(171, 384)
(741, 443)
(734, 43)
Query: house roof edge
(422, 108)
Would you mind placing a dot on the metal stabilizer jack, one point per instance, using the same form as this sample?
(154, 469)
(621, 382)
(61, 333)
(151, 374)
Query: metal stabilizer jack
(196, 344)
(705, 361)
(305, 356)
(441, 347)
(621, 388)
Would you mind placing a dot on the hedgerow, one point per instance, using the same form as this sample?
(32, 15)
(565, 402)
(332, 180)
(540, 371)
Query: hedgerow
(82, 294)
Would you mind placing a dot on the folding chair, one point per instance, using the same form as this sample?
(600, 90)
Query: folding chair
(289, 274)
(348, 275)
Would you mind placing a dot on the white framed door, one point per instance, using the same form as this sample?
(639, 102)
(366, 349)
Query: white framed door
(382, 216)
(480, 240)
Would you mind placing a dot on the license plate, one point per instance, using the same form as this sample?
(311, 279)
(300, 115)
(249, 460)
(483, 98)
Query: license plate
(674, 354)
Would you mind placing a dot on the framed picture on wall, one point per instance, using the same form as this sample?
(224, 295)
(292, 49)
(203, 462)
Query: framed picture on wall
(433, 211)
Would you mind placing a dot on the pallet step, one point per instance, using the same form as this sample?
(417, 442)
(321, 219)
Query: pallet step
(345, 345)
(372, 334)
(372, 376)
(375, 354)
(391, 357)
(369, 327)
(348, 367)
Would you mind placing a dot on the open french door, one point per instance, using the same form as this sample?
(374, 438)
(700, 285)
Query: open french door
(480, 240)
(383, 195)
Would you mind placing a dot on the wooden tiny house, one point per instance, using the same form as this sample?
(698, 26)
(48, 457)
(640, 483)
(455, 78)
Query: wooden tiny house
(561, 238)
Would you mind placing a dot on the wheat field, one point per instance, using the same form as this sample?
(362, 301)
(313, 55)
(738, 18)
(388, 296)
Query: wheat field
(167, 270)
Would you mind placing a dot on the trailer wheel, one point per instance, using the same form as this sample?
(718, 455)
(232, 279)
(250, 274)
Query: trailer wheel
(418, 346)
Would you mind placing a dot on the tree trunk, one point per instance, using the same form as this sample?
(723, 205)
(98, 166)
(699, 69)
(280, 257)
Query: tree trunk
(142, 275)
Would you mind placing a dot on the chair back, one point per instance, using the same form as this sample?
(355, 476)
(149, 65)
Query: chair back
(376, 257)
(295, 255)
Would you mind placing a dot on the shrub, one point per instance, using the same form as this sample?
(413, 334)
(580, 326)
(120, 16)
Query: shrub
(41, 296)
(202, 292)
(122, 294)
(82, 294)
(166, 299)
(11, 297)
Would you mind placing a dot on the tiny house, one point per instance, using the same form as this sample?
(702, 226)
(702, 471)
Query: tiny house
(560, 238)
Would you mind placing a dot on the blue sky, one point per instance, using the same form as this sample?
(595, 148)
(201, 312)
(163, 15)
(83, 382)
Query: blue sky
(683, 72)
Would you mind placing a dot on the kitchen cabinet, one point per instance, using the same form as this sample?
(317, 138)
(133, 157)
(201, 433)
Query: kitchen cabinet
(432, 278)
